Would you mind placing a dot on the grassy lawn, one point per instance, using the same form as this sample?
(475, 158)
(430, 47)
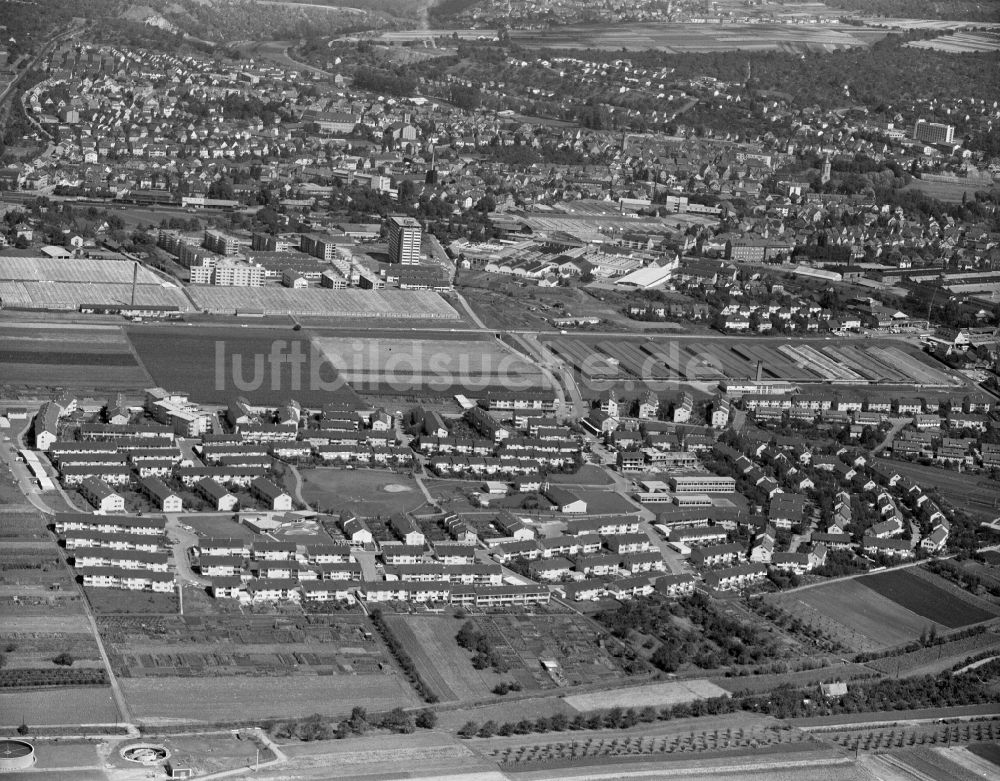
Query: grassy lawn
(372, 491)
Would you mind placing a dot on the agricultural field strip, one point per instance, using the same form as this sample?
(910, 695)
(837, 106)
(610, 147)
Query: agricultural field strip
(47, 358)
(57, 339)
(653, 694)
(357, 359)
(421, 649)
(961, 43)
(692, 38)
(59, 705)
(219, 698)
(859, 611)
(78, 376)
(924, 598)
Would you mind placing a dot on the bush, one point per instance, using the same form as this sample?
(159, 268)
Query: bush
(484, 655)
(426, 719)
(63, 659)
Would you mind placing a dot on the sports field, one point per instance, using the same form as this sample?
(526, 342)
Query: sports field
(372, 491)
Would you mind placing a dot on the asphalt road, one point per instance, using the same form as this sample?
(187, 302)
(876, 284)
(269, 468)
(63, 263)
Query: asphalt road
(181, 541)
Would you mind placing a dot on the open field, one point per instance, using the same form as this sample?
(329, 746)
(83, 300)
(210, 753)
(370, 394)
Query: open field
(219, 526)
(923, 596)
(961, 42)
(58, 705)
(20, 525)
(421, 754)
(988, 751)
(679, 38)
(975, 493)
(605, 502)
(447, 669)
(68, 760)
(215, 365)
(651, 694)
(854, 615)
(588, 474)
(401, 365)
(503, 302)
(158, 700)
(69, 357)
(372, 491)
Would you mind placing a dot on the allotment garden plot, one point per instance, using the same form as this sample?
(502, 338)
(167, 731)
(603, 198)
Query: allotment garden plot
(232, 667)
(527, 642)
(373, 365)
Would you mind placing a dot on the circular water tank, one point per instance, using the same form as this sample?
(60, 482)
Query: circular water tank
(16, 755)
